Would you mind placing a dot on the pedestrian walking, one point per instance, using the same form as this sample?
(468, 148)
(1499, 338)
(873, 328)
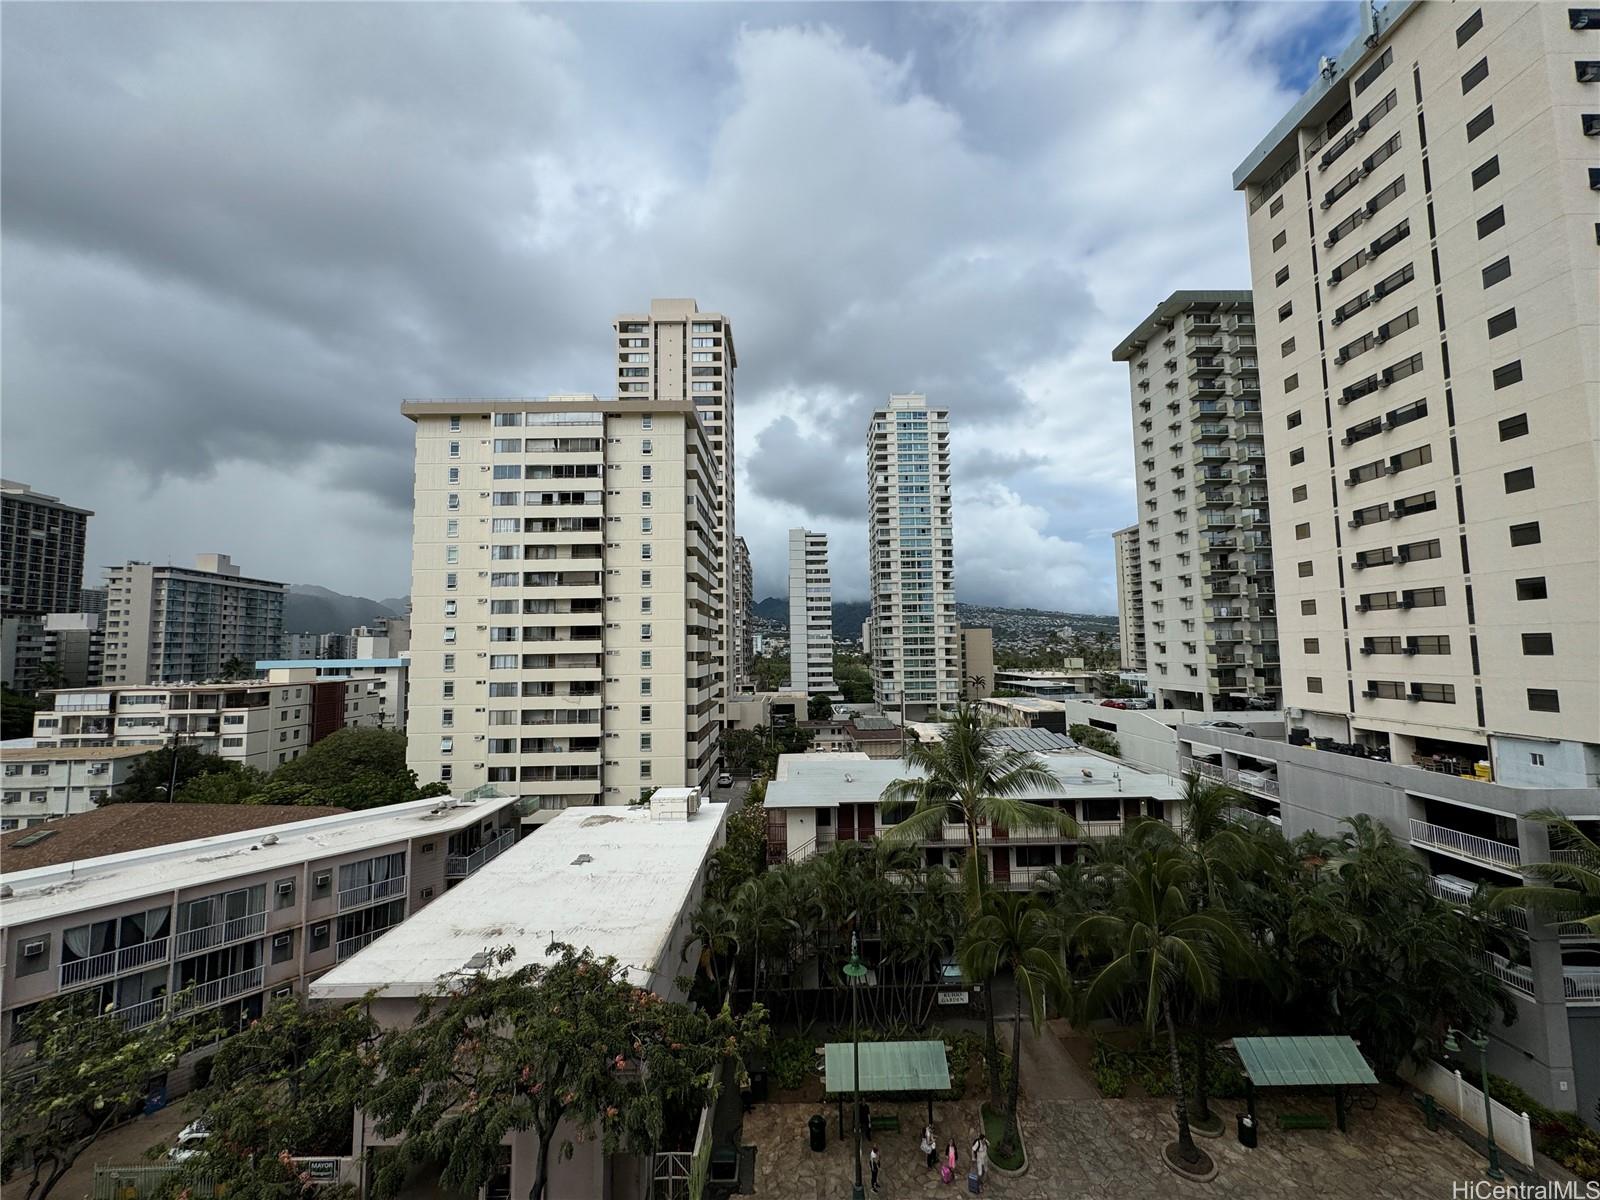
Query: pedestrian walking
(949, 1171)
(980, 1158)
(872, 1159)
(930, 1145)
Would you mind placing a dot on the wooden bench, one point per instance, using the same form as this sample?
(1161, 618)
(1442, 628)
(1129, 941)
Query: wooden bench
(890, 1124)
(1287, 1121)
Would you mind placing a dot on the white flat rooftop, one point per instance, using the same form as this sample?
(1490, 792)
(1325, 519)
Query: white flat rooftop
(55, 891)
(829, 780)
(613, 880)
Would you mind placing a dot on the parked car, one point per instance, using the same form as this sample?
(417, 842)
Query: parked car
(190, 1140)
(1230, 726)
(1113, 704)
(725, 780)
(1260, 703)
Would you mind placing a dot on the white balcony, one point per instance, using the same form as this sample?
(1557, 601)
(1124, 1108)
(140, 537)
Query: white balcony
(459, 866)
(137, 1016)
(215, 991)
(370, 893)
(1466, 845)
(192, 941)
(1581, 985)
(114, 962)
(1513, 975)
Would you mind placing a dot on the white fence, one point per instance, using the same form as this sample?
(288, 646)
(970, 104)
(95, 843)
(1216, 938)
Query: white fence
(1513, 1132)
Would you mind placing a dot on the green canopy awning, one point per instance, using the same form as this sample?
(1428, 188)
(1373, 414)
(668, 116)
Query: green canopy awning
(888, 1067)
(1327, 1061)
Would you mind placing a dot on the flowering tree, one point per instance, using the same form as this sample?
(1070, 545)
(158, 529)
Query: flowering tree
(520, 1051)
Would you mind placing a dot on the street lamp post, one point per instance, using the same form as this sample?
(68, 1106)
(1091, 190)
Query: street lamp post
(855, 973)
(1481, 1045)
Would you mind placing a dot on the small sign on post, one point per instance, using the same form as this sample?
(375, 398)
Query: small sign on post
(953, 997)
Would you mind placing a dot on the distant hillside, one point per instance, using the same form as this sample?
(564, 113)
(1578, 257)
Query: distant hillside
(312, 609)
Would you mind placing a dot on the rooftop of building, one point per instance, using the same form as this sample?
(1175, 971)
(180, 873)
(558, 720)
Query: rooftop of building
(1258, 162)
(162, 847)
(874, 729)
(327, 664)
(1033, 704)
(615, 880)
(118, 829)
(75, 753)
(829, 780)
(21, 491)
(1173, 307)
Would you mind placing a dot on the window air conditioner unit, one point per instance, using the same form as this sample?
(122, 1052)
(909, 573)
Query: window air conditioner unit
(1363, 608)
(1328, 242)
(1365, 650)
(1383, 383)
(33, 949)
(1353, 524)
(283, 992)
(1413, 695)
(1408, 650)
(320, 880)
(286, 887)
(283, 939)
(1358, 565)
(1337, 319)
(1408, 604)
(1370, 695)
(319, 931)
(1379, 339)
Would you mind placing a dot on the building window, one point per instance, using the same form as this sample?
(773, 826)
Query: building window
(1469, 27)
(645, 714)
(1300, 492)
(1286, 311)
(645, 525)
(644, 499)
(449, 662)
(647, 423)
(1532, 588)
(1313, 645)
(1313, 683)
(1480, 124)
(1503, 322)
(645, 551)
(1497, 271)
(1287, 348)
(1484, 172)
(1507, 375)
(1491, 220)
(645, 472)
(1367, 77)
(645, 686)
(1385, 689)
(645, 578)
(1544, 700)
(1520, 480)
(455, 449)
(1525, 534)
(646, 742)
(1292, 382)
(1282, 277)
(452, 554)
(1434, 693)
(447, 745)
(1294, 419)
(1513, 427)
(1296, 457)
(449, 608)
(452, 501)
(1538, 643)
(645, 660)
(646, 447)
(1275, 207)
(450, 581)
(1302, 531)
(1305, 568)
(1474, 75)
(645, 632)
(283, 946)
(1308, 608)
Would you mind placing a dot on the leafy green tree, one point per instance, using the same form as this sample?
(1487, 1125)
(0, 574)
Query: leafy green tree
(353, 768)
(286, 1084)
(16, 713)
(1095, 739)
(147, 781)
(1014, 934)
(519, 1051)
(853, 678)
(969, 779)
(770, 673)
(1154, 947)
(242, 786)
(819, 708)
(1568, 889)
(87, 1073)
(238, 668)
(48, 675)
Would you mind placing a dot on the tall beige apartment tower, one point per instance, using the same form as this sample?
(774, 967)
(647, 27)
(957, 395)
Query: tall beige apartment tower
(1130, 598)
(1210, 627)
(1422, 240)
(1422, 229)
(810, 614)
(916, 641)
(677, 353)
(565, 610)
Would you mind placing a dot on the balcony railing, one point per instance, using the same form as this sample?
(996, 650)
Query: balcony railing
(361, 941)
(1467, 845)
(137, 1016)
(1258, 782)
(1581, 985)
(114, 962)
(1513, 975)
(215, 991)
(367, 893)
(459, 866)
(192, 941)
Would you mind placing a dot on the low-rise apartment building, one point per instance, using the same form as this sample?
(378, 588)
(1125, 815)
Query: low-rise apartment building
(258, 723)
(623, 882)
(817, 800)
(44, 783)
(259, 903)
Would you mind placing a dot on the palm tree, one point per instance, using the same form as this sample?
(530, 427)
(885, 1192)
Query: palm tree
(1014, 933)
(1569, 887)
(967, 779)
(1163, 949)
(715, 929)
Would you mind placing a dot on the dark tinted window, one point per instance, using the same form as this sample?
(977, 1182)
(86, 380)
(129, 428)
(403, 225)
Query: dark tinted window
(1300, 492)
(1507, 375)
(1519, 480)
(1480, 124)
(1279, 241)
(1503, 322)
(1469, 27)
(1475, 74)
(1538, 643)
(1282, 277)
(1481, 175)
(1296, 457)
(1532, 589)
(1496, 271)
(1544, 700)
(1491, 220)
(1513, 427)
(1526, 534)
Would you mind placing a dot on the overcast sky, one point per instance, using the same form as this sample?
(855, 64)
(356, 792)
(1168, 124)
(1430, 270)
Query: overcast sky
(236, 236)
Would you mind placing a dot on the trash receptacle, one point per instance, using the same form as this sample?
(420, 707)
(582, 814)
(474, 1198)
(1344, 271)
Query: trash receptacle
(1247, 1131)
(819, 1132)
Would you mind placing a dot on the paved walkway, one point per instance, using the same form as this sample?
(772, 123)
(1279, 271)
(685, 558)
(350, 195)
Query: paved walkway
(1048, 1072)
(123, 1146)
(1110, 1150)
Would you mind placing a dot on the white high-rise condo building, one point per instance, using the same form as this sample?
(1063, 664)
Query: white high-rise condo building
(1422, 229)
(810, 614)
(565, 614)
(1130, 598)
(744, 598)
(677, 353)
(167, 624)
(916, 641)
(1210, 628)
